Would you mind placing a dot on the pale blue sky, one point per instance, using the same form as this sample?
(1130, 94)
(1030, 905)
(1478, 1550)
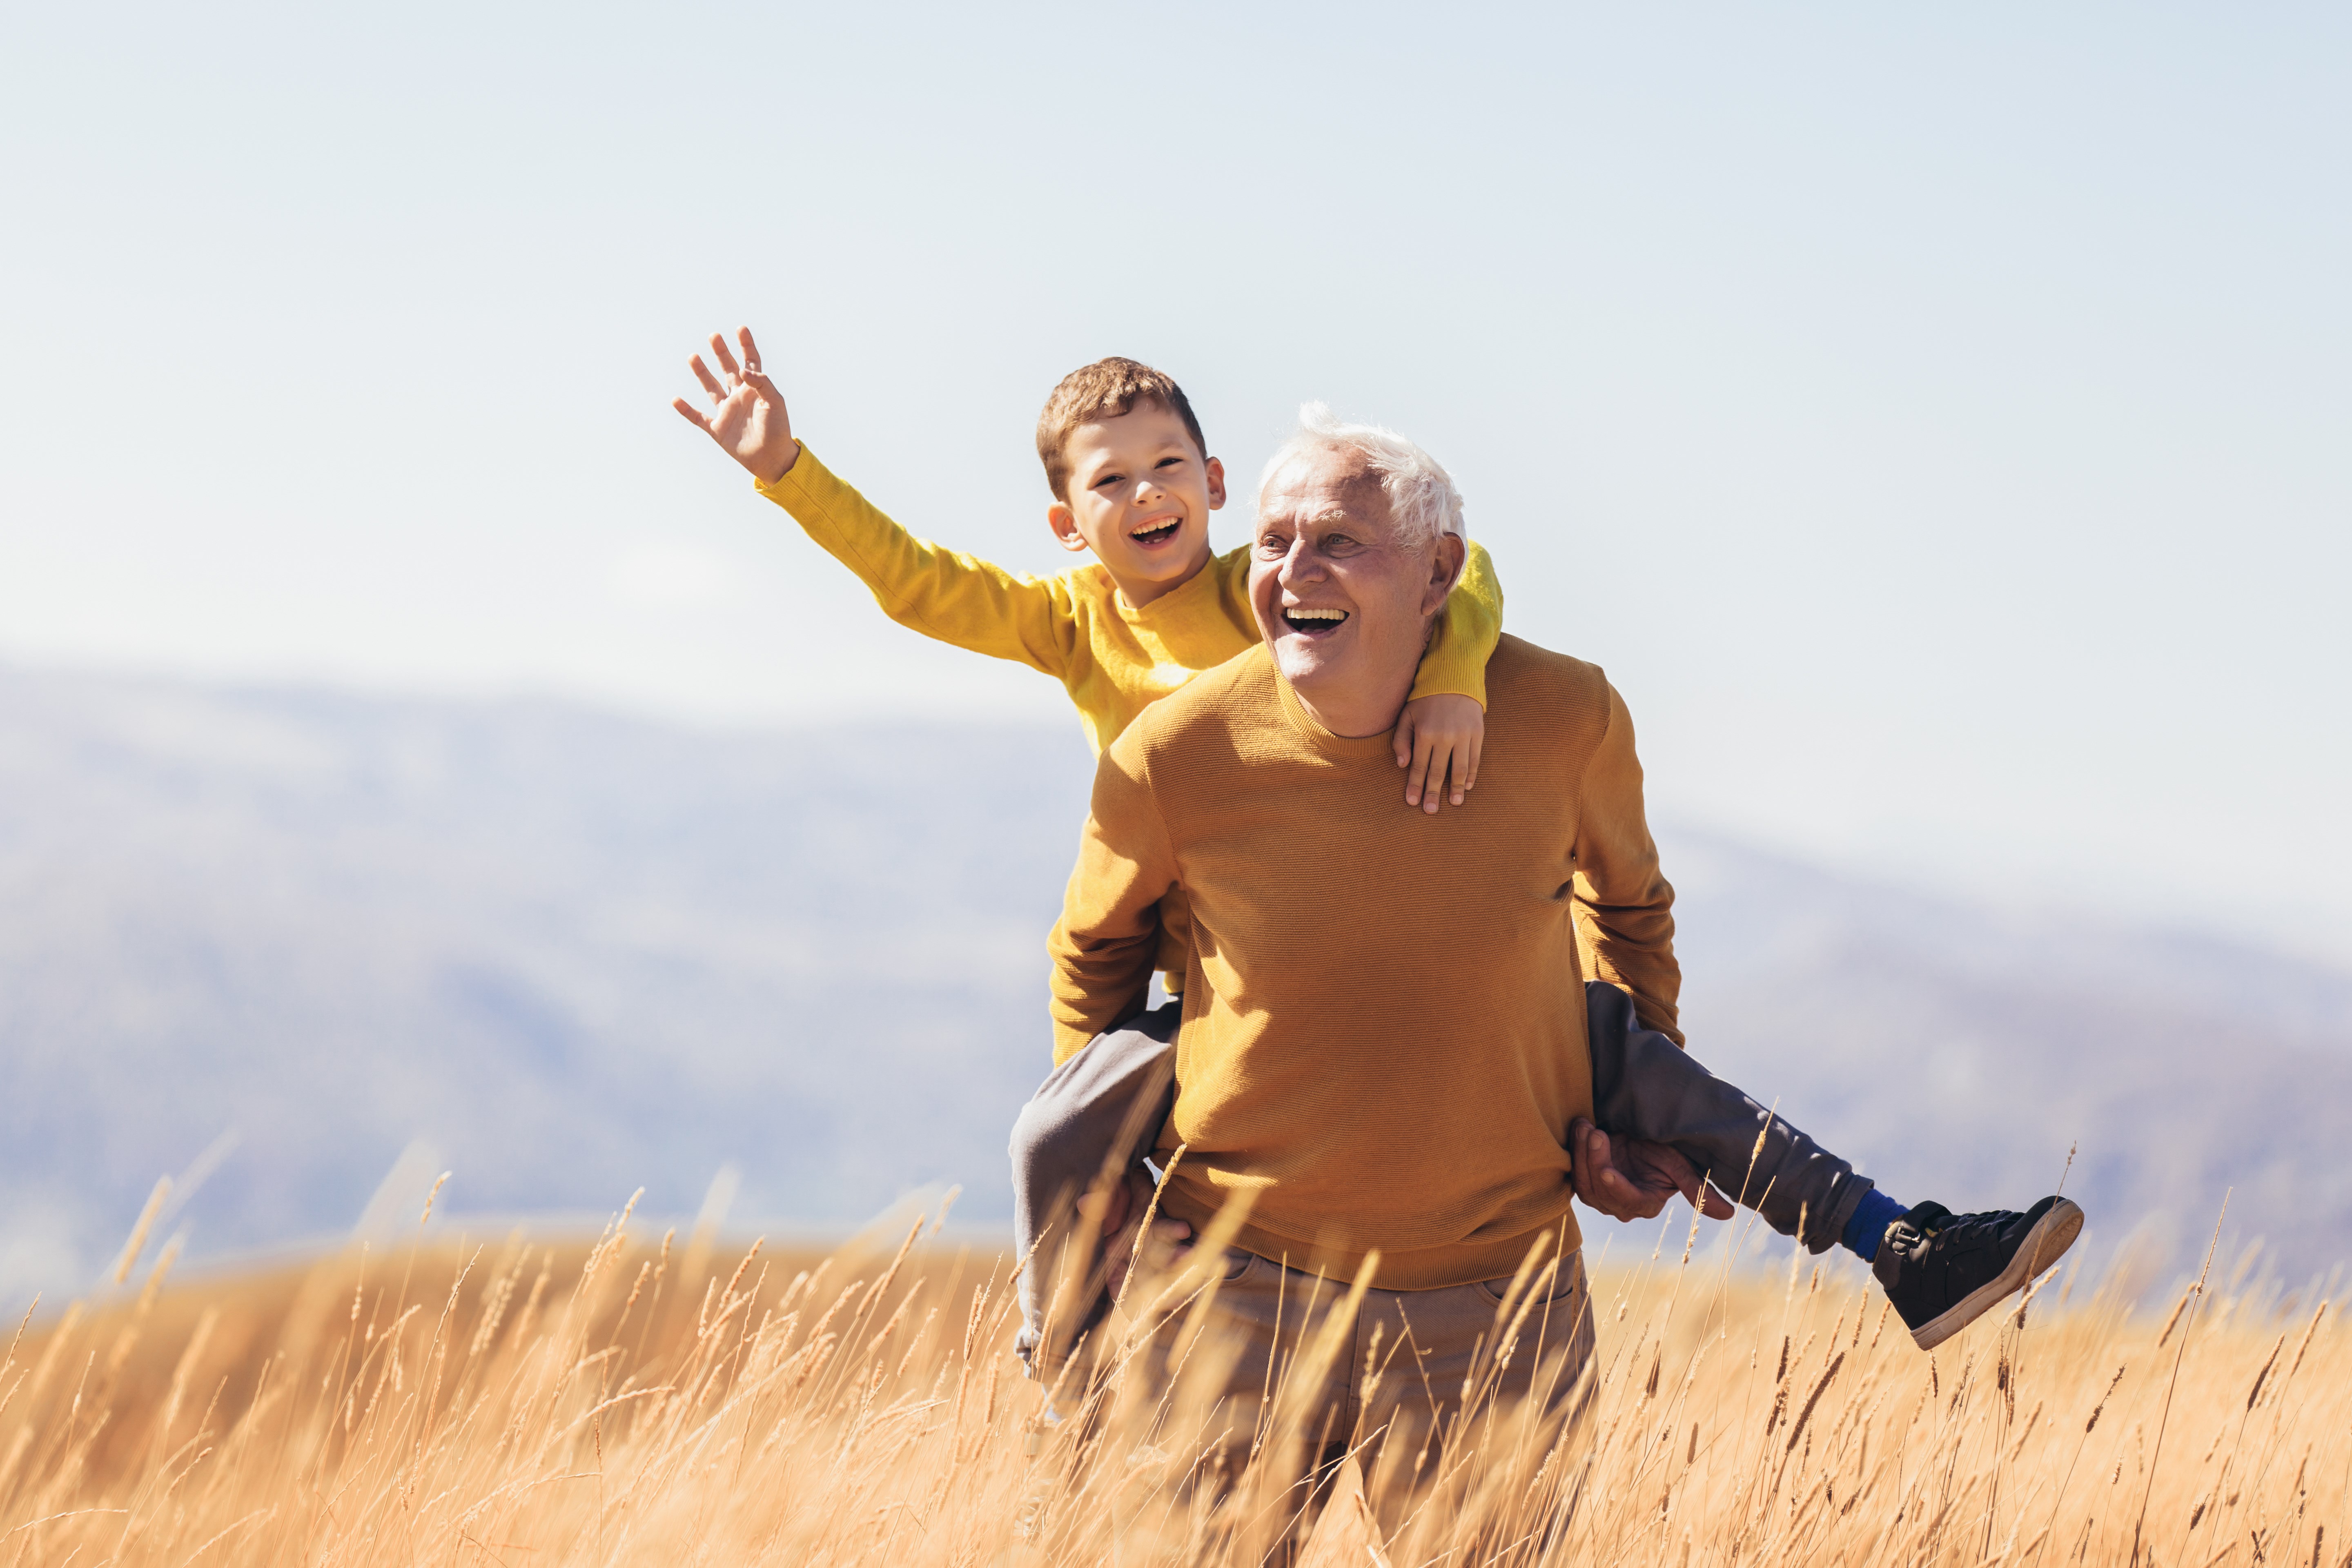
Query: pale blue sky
(1935, 419)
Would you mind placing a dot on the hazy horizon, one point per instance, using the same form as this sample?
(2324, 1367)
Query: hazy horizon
(1058, 728)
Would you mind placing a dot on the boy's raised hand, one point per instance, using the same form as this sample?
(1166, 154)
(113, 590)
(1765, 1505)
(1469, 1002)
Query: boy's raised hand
(1436, 736)
(747, 418)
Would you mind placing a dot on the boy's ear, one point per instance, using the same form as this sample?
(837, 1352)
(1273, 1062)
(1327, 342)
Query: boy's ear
(1216, 483)
(1065, 524)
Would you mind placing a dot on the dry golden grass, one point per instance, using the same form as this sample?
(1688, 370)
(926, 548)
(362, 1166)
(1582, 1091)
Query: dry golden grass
(620, 1403)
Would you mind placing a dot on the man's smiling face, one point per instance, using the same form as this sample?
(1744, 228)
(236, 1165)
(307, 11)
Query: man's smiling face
(1342, 600)
(1140, 494)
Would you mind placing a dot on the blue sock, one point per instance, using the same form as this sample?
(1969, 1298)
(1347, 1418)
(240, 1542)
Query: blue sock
(1862, 1232)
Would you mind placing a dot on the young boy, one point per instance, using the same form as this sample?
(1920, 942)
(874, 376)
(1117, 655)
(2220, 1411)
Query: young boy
(1132, 482)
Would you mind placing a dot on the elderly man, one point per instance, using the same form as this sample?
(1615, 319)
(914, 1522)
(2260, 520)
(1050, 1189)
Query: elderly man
(1383, 1035)
(1384, 1041)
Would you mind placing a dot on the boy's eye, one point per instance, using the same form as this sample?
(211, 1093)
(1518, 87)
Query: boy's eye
(1110, 479)
(1170, 462)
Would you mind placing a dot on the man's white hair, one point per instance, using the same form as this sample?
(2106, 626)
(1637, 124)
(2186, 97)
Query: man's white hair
(1422, 501)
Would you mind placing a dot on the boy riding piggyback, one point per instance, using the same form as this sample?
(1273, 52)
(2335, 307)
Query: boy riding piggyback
(1132, 483)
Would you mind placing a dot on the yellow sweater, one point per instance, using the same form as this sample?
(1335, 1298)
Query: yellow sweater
(1114, 660)
(1383, 1032)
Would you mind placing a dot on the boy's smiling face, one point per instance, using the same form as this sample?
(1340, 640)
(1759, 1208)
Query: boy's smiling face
(1140, 494)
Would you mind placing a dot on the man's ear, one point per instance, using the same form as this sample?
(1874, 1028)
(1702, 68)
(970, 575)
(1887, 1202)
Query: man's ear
(1445, 571)
(1065, 524)
(1216, 483)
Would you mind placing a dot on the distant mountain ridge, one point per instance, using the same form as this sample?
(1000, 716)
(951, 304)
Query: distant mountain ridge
(580, 952)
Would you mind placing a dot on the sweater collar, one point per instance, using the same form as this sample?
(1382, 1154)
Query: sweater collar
(1294, 714)
(1177, 602)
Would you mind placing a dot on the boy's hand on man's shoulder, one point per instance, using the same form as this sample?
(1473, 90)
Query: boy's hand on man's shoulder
(748, 419)
(1437, 738)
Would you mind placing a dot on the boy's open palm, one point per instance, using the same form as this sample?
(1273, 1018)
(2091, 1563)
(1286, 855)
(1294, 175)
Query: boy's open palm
(747, 418)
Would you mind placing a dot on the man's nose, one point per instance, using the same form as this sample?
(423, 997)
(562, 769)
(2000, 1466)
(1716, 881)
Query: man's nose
(1300, 565)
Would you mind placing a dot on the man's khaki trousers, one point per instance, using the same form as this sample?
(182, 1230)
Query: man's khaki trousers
(1288, 1374)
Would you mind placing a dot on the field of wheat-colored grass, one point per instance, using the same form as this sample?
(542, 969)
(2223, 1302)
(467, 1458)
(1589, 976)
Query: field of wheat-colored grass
(639, 1400)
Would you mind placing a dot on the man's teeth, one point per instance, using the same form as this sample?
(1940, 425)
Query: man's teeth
(1318, 620)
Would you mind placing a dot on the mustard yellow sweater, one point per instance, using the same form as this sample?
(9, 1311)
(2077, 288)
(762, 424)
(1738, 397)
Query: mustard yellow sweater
(1384, 1034)
(1114, 660)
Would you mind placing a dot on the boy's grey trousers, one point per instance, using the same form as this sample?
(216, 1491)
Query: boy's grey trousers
(1103, 1108)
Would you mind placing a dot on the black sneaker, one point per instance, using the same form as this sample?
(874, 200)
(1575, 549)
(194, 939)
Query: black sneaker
(1945, 1271)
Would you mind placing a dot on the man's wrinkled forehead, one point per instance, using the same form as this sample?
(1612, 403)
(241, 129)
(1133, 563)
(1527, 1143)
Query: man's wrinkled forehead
(1324, 485)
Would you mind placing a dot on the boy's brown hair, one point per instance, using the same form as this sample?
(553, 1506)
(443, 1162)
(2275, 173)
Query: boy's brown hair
(1104, 389)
